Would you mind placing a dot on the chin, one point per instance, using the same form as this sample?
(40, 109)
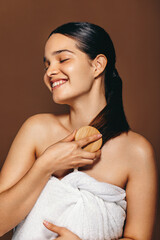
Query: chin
(59, 100)
(65, 100)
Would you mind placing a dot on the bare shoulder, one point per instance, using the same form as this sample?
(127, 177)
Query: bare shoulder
(128, 156)
(141, 150)
(41, 119)
(131, 147)
(142, 166)
(42, 123)
(139, 142)
(46, 129)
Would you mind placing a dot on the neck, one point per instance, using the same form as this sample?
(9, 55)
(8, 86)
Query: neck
(84, 109)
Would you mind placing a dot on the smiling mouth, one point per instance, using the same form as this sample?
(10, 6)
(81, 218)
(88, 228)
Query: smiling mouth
(57, 84)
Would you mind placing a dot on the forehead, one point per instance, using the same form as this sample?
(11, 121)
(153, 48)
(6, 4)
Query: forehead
(58, 41)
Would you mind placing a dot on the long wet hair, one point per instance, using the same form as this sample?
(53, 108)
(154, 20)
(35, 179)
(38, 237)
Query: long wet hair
(93, 40)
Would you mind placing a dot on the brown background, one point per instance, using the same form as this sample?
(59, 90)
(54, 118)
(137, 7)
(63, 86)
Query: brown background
(24, 27)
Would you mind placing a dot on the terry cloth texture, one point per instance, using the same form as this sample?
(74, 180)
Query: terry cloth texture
(91, 209)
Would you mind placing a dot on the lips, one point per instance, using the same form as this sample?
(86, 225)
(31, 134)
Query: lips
(58, 82)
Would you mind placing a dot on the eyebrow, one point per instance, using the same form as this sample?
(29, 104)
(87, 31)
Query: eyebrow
(58, 52)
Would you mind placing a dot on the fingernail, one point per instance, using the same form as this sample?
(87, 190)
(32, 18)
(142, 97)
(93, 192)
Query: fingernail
(99, 135)
(45, 222)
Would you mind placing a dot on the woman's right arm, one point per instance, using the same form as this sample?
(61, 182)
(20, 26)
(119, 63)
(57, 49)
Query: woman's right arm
(22, 178)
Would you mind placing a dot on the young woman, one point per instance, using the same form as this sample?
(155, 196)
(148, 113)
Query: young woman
(80, 71)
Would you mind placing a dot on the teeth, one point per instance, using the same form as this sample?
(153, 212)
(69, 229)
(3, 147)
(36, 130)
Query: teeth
(57, 83)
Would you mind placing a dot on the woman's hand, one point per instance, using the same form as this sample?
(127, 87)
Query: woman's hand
(68, 154)
(63, 233)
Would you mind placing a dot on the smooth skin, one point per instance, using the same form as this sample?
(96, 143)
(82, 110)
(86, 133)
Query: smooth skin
(45, 146)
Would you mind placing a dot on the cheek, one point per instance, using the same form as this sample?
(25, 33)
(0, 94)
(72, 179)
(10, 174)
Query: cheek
(84, 78)
(68, 69)
(79, 73)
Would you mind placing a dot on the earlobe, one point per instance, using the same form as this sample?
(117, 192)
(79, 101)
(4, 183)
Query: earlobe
(100, 63)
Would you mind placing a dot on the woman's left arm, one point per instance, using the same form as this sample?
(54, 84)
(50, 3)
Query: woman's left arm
(141, 193)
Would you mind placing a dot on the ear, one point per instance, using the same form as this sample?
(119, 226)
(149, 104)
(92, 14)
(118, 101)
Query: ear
(99, 64)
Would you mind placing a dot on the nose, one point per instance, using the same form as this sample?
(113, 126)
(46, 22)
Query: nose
(52, 70)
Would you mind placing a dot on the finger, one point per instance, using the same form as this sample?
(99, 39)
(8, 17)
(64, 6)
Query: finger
(84, 141)
(54, 228)
(84, 163)
(98, 154)
(90, 155)
(70, 137)
(89, 159)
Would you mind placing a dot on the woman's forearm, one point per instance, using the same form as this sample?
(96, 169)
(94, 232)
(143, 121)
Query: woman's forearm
(16, 202)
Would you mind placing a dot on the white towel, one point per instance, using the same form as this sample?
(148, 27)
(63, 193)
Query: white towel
(91, 209)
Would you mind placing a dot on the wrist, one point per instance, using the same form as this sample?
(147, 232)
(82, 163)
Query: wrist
(43, 167)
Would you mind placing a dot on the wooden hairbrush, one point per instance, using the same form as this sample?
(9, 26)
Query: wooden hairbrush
(87, 131)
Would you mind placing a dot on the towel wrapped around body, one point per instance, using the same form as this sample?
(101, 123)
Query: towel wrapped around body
(91, 209)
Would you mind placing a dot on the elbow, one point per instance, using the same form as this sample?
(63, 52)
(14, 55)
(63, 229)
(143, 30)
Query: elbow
(1, 233)
(3, 230)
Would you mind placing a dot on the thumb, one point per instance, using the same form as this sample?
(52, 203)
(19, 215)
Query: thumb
(54, 228)
(70, 137)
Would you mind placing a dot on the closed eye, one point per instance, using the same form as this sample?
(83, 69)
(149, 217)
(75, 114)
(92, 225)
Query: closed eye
(61, 61)
(46, 68)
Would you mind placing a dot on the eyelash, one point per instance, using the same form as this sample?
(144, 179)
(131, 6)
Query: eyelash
(45, 69)
(61, 61)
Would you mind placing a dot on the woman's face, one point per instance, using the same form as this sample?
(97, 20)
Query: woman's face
(69, 72)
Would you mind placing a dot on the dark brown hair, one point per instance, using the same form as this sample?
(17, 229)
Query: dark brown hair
(93, 40)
